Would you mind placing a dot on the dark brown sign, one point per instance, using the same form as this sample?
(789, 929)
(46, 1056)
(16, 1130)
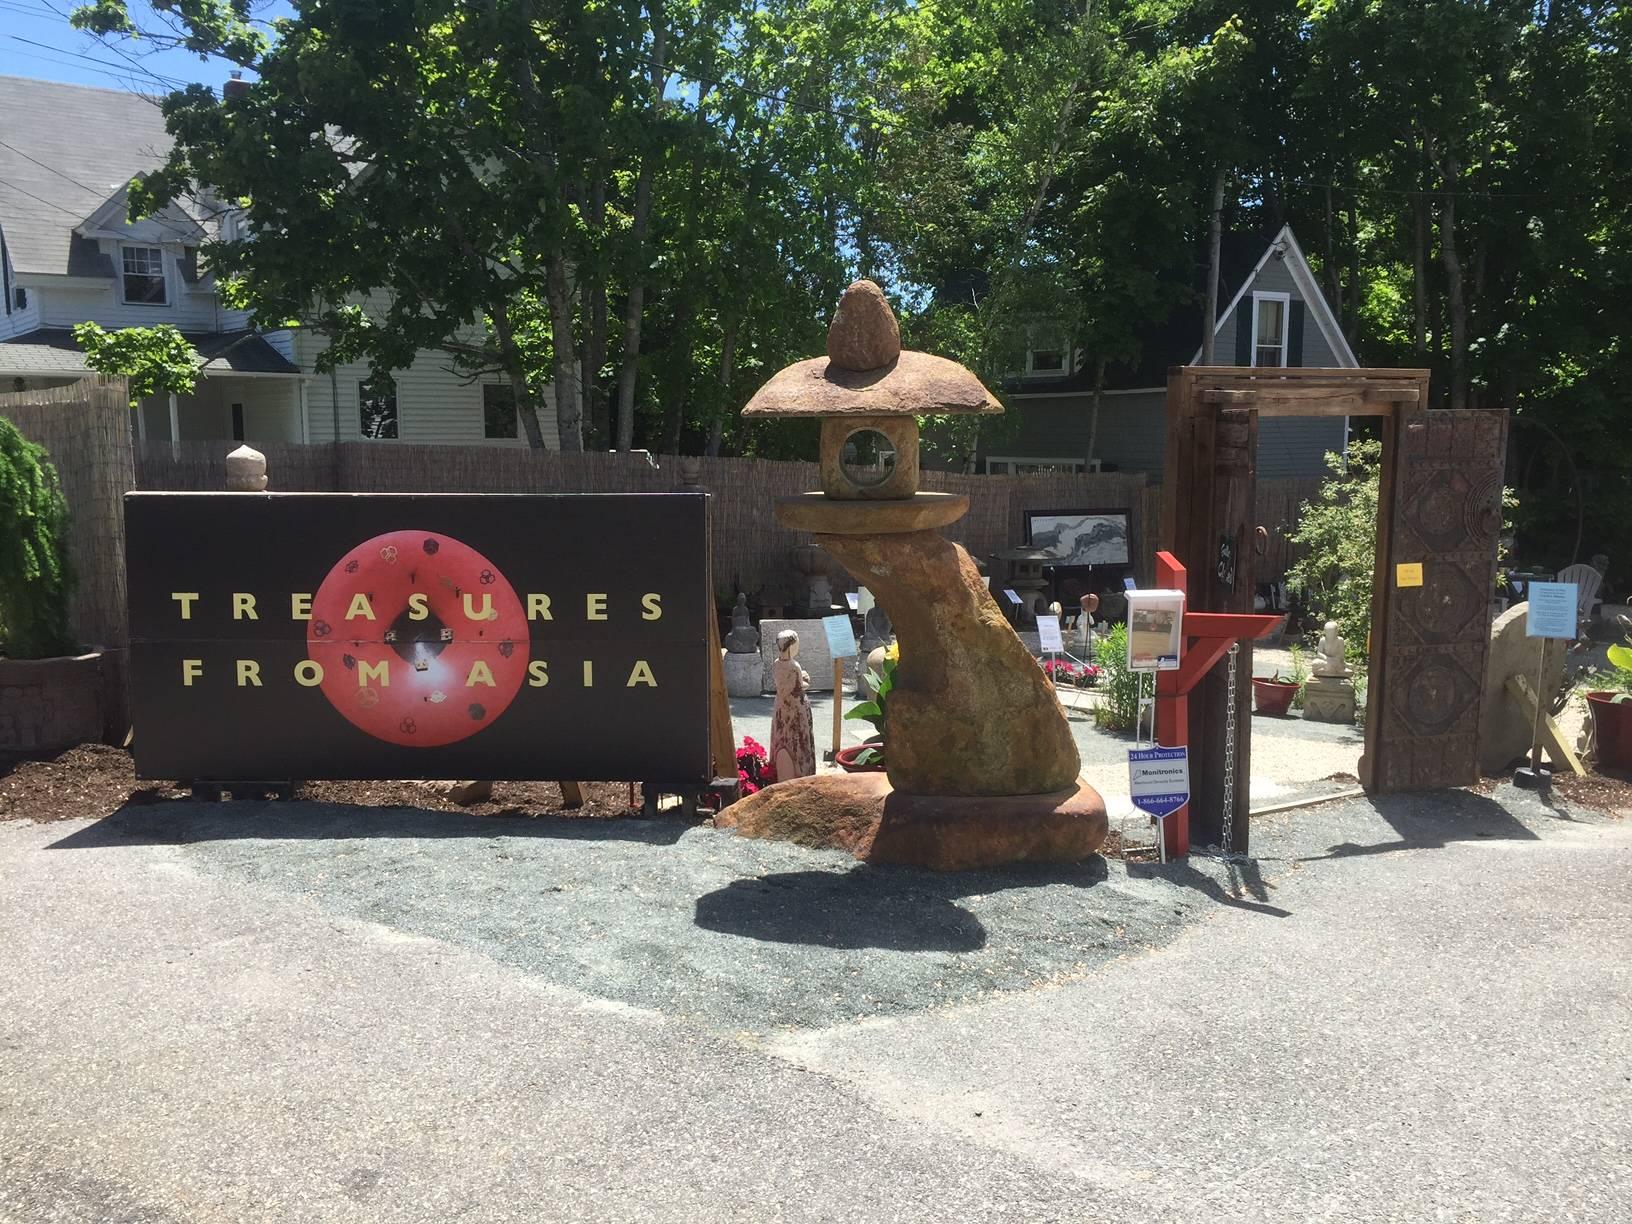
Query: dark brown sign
(318, 635)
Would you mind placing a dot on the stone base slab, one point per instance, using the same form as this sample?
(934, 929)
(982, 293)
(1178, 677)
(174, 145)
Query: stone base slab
(744, 674)
(861, 815)
(1328, 699)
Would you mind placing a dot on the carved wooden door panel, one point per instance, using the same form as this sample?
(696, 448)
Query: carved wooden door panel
(1426, 688)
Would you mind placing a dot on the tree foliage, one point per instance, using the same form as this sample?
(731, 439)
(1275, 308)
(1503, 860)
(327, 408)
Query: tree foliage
(1338, 531)
(152, 360)
(34, 578)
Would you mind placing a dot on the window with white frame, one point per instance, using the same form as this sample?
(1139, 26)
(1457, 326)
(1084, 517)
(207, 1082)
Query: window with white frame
(1270, 314)
(1042, 362)
(143, 276)
(377, 407)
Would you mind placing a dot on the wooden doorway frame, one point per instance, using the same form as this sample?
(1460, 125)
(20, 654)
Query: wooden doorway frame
(1208, 500)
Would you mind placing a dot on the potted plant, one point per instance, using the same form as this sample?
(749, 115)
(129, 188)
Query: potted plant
(51, 692)
(1272, 695)
(869, 757)
(1611, 711)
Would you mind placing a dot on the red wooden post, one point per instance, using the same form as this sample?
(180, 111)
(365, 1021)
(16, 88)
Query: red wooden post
(1173, 711)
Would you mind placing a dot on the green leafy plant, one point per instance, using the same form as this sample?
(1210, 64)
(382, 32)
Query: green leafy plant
(1300, 673)
(1337, 533)
(33, 566)
(152, 360)
(876, 711)
(1118, 707)
(1620, 674)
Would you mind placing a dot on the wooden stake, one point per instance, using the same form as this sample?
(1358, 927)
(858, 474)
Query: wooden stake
(572, 795)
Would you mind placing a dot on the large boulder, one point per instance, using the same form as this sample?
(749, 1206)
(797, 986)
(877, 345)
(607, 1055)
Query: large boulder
(1504, 726)
(971, 712)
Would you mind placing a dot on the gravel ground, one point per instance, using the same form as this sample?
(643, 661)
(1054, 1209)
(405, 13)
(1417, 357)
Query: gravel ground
(1409, 1009)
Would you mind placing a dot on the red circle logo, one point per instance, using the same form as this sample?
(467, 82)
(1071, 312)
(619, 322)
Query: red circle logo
(421, 640)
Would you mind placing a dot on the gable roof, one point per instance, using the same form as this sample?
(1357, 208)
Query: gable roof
(1176, 339)
(67, 151)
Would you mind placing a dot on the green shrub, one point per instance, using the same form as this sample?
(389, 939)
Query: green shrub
(1338, 530)
(33, 568)
(1118, 707)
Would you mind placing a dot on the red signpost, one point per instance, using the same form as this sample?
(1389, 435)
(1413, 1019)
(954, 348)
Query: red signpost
(1208, 637)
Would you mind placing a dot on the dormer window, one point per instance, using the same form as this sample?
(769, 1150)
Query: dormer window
(1270, 313)
(143, 279)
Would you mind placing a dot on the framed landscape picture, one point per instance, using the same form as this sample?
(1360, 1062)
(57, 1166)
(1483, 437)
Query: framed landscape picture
(1080, 537)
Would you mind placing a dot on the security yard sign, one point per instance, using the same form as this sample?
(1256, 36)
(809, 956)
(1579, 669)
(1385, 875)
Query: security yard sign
(1159, 779)
(314, 635)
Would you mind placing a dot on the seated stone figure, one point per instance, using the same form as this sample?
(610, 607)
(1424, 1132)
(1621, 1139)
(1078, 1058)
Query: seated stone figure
(1329, 659)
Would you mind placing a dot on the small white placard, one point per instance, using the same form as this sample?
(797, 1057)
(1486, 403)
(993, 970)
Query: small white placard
(841, 638)
(1551, 611)
(853, 598)
(1048, 634)
(1010, 596)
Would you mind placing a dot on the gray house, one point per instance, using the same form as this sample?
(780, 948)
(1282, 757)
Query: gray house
(69, 253)
(1271, 313)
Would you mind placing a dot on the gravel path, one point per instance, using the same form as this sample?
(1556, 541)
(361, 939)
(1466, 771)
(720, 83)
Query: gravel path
(1414, 1009)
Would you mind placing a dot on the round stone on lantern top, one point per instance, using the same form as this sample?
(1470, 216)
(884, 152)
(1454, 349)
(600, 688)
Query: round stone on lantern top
(869, 392)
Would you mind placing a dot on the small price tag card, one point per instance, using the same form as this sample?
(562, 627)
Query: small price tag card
(1048, 634)
(1408, 574)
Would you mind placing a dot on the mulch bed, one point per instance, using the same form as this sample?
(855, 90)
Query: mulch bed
(95, 780)
(1602, 792)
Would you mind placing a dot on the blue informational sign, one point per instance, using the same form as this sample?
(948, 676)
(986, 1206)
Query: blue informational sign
(1159, 779)
(1011, 596)
(1552, 610)
(1129, 584)
(841, 638)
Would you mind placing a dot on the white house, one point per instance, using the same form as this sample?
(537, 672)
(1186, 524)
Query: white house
(69, 254)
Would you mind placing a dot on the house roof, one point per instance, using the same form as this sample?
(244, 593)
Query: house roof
(53, 350)
(1176, 339)
(68, 149)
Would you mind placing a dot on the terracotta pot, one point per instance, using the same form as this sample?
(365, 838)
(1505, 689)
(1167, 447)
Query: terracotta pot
(47, 705)
(1273, 696)
(846, 758)
(1611, 730)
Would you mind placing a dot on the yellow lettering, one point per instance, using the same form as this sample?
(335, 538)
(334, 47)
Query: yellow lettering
(538, 607)
(595, 607)
(538, 673)
(308, 673)
(641, 673)
(185, 599)
(653, 603)
(367, 671)
(419, 607)
(360, 607)
(589, 674)
(249, 672)
(191, 669)
(486, 612)
(300, 606)
(480, 673)
(243, 606)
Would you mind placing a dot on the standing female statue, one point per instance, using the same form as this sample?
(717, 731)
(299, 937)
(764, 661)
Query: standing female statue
(793, 742)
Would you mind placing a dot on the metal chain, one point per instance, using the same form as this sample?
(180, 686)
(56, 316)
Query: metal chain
(1229, 751)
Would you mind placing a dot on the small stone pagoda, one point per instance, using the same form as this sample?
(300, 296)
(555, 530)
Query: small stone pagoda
(981, 767)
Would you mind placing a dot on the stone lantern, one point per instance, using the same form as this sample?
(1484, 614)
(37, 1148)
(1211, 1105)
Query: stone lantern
(981, 766)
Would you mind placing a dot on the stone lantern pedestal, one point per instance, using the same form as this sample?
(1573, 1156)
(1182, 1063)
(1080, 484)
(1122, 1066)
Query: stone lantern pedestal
(980, 764)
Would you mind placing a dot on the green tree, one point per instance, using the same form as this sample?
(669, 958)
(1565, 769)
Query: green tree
(1338, 533)
(152, 360)
(34, 578)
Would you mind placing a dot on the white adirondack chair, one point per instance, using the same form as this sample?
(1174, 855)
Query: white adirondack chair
(1587, 581)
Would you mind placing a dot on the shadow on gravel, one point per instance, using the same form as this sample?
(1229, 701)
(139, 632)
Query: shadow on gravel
(1244, 878)
(898, 908)
(1431, 820)
(177, 824)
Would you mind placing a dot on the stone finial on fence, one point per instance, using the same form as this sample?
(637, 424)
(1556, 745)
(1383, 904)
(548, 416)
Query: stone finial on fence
(246, 470)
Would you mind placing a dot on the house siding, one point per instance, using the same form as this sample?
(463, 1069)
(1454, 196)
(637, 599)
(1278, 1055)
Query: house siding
(435, 404)
(21, 322)
(191, 309)
(1132, 435)
(1274, 277)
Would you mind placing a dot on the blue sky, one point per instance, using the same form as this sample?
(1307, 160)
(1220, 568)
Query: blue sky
(37, 41)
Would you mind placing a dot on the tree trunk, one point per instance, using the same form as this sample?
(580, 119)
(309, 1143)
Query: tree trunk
(510, 359)
(1093, 412)
(569, 411)
(728, 363)
(1215, 236)
(635, 303)
(1334, 283)
(1419, 274)
(592, 310)
(1453, 283)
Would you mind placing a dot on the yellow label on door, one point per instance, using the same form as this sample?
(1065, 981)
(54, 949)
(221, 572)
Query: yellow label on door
(1408, 574)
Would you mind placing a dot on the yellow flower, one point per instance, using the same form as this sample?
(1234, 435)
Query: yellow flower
(892, 652)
